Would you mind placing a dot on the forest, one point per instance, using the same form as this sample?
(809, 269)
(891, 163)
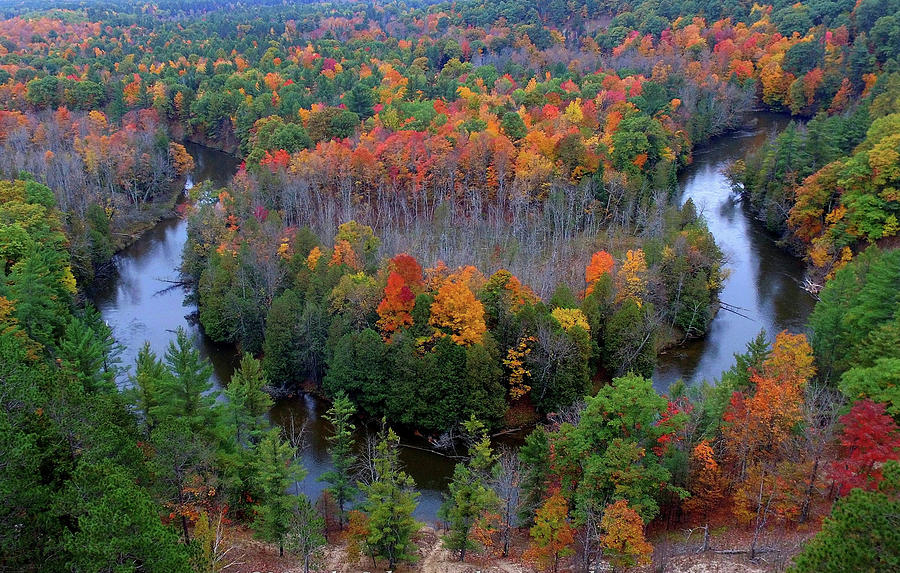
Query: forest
(459, 222)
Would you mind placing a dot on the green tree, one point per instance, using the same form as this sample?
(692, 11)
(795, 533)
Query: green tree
(390, 501)
(513, 125)
(180, 465)
(470, 495)
(281, 355)
(144, 393)
(861, 534)
(855, 320)
(187, 394)
(612, 453)
(535, 458)
(629, 339)
(117, 526)
(275, 474)
(248, 403)
(340, 447)
(83, 355)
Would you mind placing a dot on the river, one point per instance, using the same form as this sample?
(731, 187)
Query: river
(764, 282)
(141, 303)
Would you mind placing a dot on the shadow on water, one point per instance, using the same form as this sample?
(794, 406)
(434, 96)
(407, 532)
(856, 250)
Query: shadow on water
(764, 281)
(141, 304)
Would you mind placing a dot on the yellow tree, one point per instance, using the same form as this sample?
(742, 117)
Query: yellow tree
(552, 535)
(623, 539)
(631, 281)
(457, 312)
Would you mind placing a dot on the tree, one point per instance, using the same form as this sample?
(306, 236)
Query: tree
(629, 339)
(305, 535)
(631, 282)
(395, 309)
(469, 497)
(276, 473)
(861, 533)
(623, 541)
(146, 381)
(879, 383)
(116, 524)
(187, 393)
(84, 356)
(707, 482)
(513, 126)
(534, 456)
(552, 535)
(340, 447)
(506, 486)
(181, 468)
(458, 313)
(601, 264)
(390, 501)
(212, 544)
(869, 438)
(615, 451)
(248, 403)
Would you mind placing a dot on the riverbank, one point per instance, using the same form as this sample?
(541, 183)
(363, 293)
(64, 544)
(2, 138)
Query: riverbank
(141, 304)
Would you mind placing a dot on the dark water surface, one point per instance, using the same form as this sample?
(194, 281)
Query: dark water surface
(764, 284)
(142, 304)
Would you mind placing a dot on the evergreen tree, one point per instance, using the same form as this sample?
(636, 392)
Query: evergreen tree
(281, 355)
(187, 393)
(248, 403)
(118, 526)
(470, 495)
(181, 468)
(535, 457)
(83, 356)
(275, 474)
(144, 393)
(390, 503)
(861, 534)
(340, 479)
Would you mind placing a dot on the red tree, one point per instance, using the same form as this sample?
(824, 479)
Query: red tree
(869, 438)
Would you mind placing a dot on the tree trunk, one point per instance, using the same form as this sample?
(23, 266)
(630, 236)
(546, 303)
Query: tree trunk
(804, 513)
(184, 525)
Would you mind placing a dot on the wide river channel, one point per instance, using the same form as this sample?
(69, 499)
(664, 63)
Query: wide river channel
(141, 304)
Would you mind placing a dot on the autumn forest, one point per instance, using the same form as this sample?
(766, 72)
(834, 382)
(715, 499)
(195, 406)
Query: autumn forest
(457, 229)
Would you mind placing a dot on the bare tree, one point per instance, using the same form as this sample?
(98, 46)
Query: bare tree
(505, 484)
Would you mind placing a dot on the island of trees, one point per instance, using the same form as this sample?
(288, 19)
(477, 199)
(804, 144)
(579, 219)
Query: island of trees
(453, 219)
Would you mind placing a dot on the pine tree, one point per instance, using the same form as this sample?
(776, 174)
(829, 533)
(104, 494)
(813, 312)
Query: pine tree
(83, 356)
(275, 474)
(118, 526)
(340, 479)
(146, 381)
(390, 502)
(861, 534)
(470, 496)
(535, 459)
(187, 393)
(248, 403)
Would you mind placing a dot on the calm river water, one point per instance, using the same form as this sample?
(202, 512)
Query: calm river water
(141, 304)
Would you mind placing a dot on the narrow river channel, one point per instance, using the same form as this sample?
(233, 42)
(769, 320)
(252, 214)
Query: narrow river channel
(141, 304)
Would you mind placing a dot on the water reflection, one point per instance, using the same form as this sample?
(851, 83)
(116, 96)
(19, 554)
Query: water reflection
(144, 303)
(764, 282)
